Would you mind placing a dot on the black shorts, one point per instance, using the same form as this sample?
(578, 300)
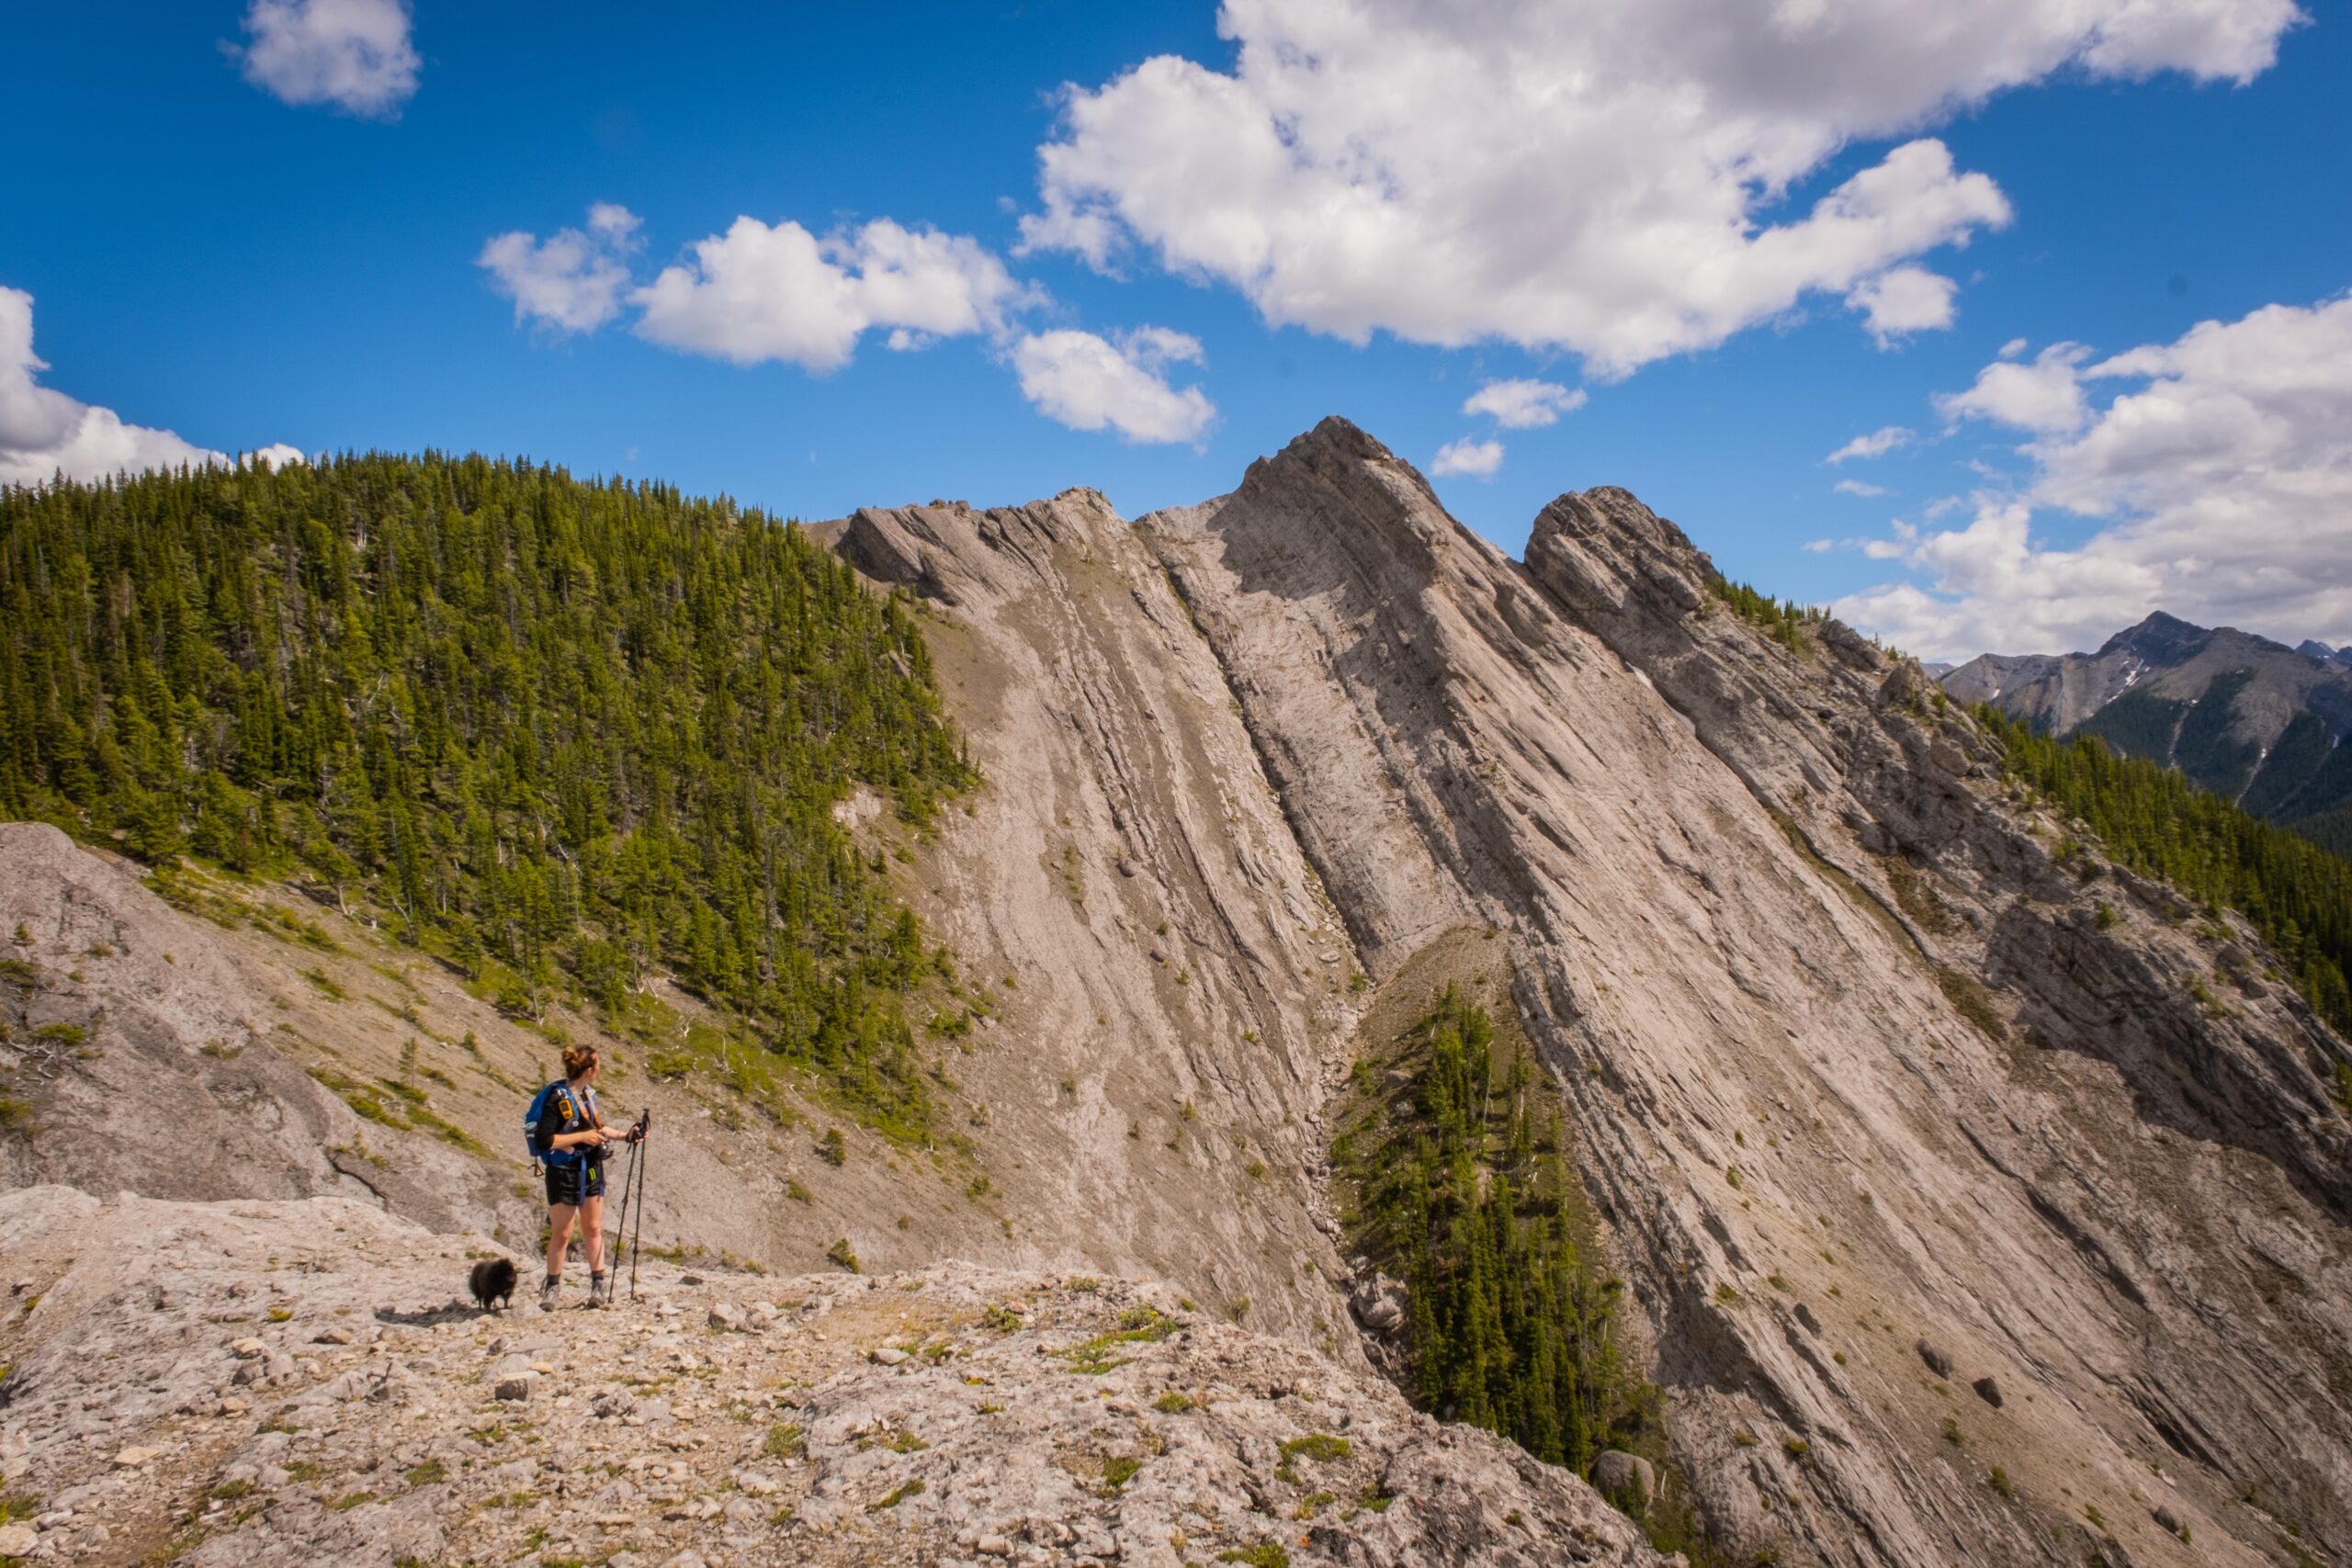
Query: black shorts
(574, 1184)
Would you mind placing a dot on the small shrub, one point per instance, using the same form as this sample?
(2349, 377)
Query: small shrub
(897, 1495)
(1972, 1001)
(1999, 1481)
(832, 1148)
(1265, 1554)
(1321, 1447)
(839, 1253)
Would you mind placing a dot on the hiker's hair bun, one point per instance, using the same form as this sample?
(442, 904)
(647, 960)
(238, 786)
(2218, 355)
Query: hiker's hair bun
(578, 1059)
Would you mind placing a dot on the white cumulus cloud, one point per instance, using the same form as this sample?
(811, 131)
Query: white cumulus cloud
(1903, 301)
(758, 293)
(1475, 459)
(44, 432)
(1609, 178)
(1090, 382)
(1524, 405)
(2042, 394)
(354, 54)
(2218, 467)
(571, 280)
(1877, 444)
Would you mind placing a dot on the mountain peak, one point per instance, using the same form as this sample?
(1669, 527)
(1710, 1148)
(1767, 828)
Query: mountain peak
(1338, 484)
(2160, 639)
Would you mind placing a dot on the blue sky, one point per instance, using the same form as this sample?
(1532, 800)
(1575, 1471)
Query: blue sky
(231, 232)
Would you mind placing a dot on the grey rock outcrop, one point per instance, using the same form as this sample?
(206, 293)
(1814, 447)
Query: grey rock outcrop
(1379, 1303)
(1180, 967)
(144, 1048)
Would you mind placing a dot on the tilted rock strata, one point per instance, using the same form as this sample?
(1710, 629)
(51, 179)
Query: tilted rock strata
(2119, 1183)
(1810, 1157)
(290, 1382)
(1182, 980)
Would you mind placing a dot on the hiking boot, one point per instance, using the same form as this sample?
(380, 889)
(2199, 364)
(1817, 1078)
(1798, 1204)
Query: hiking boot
(600, 1291)
(547, 1293)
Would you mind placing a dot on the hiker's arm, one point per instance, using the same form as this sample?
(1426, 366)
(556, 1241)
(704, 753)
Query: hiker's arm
(573, 1140)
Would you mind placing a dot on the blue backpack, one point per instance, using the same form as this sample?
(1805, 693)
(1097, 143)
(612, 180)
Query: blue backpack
(542, 1122)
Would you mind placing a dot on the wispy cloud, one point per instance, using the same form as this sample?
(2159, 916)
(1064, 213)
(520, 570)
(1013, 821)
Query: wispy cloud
(1877, 444)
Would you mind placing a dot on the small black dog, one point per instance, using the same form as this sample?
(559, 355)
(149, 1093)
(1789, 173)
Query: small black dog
(492, 1281)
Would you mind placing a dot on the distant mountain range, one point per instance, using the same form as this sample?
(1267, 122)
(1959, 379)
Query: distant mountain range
(2241, 715)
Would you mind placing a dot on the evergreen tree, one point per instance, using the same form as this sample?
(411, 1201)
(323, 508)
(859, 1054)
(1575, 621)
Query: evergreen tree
(2155, 823)
(578, 731)
(1507, 1324)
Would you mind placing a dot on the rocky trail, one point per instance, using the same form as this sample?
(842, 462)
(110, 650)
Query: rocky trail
(292, 1382)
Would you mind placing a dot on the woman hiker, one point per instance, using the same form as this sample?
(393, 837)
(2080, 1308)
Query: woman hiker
(569, 1136)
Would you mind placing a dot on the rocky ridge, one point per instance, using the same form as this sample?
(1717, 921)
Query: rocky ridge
(290, 1382)
(1977, 1201)
(1824, 1128)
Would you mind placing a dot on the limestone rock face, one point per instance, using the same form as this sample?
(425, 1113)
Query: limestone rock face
(2122, 1149)
(1183, 992)
(1842, 1035)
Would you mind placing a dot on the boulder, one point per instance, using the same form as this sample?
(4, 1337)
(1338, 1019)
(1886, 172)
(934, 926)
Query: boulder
(1625, 1479)
(1379, 1303)
(1988, 1389)
(1938, 1362)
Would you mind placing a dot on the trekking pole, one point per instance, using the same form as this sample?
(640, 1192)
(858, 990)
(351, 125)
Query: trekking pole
(644, 1125)
(628, 1180)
